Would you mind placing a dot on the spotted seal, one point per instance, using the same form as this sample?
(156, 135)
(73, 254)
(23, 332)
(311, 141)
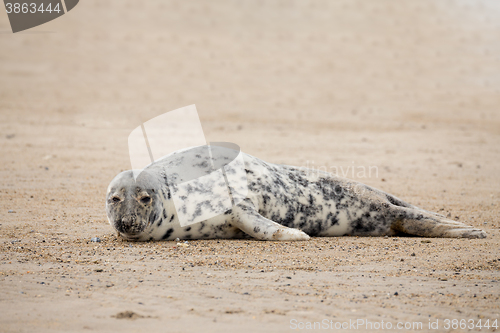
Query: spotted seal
(282, 203)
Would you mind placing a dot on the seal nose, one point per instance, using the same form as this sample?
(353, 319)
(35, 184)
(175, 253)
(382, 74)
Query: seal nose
(128, 225)
(129, 219)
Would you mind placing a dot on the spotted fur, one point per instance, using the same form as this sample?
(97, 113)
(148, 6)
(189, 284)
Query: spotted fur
(282, 203)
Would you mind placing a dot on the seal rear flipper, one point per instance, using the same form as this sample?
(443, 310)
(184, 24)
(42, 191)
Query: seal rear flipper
(420, 223)
(248, 220)
(400, 203)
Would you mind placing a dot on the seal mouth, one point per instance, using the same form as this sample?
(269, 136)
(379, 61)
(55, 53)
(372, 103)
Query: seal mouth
(129, 228)
(130, 237)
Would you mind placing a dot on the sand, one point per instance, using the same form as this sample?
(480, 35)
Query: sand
(409, 90)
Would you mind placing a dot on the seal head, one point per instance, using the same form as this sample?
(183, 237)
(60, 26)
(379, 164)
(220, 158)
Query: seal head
(132, 205)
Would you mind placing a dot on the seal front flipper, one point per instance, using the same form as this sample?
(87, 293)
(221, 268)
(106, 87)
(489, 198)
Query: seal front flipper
(248, 220)
(420, 223)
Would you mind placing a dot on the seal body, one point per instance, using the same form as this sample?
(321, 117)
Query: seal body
(282, 203)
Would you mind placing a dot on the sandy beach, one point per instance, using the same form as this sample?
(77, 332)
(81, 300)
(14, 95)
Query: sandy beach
(407, 90)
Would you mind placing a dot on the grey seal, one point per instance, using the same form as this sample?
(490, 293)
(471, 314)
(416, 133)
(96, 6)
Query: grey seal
(282, 203)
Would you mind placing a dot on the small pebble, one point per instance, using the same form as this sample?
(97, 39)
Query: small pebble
(95, 240)
(396, 293)
(177, 239)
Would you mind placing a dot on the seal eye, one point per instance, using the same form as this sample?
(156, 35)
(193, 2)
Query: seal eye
(116, 199)
(145, 200)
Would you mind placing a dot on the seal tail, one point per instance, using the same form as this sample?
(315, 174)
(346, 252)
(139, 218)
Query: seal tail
(426, 224)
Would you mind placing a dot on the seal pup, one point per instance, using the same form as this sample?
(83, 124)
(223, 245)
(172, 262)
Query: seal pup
(282, 203)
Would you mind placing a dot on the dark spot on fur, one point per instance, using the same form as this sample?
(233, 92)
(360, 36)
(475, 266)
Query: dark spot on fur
(338, 190)
(332, 219)
(198, 210)
(202, 225)
(152, 217)
(315, 227)
(289, 219)
(168, 233)
(203, 164)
